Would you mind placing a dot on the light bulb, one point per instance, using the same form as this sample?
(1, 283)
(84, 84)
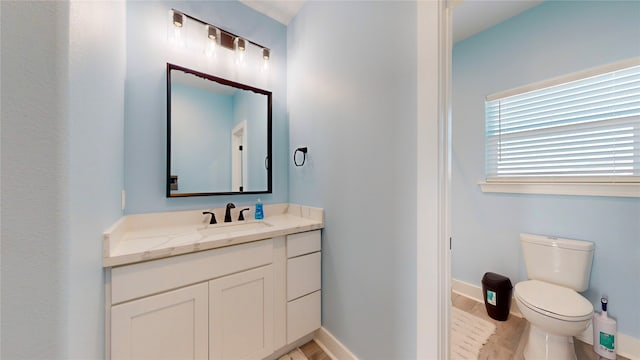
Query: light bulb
(241, 44)
(175, 28)
(212, 32)
(177, 19)
(240, 50)
(212, 41)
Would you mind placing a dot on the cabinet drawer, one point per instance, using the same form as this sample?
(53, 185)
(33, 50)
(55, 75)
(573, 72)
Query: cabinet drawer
(138, 280)
(303, 316)
(303, 243)
(303, 275)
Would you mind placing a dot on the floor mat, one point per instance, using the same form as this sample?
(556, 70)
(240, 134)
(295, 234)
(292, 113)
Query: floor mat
(468, 334)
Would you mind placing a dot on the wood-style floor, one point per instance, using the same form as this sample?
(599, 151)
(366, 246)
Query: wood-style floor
(313, 351)
(506, 343)
(308, 351)
(509, 339)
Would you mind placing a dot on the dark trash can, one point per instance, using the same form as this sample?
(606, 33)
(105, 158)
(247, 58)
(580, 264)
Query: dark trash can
(497, 295)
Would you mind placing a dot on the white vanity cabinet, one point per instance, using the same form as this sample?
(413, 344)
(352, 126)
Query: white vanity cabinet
(215, 304)
(242, 302)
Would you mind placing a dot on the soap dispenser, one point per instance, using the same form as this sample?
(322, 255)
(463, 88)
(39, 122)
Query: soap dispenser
(259, 214)
(604, 332)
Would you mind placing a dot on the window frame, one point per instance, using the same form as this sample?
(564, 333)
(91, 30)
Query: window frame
(623, 186)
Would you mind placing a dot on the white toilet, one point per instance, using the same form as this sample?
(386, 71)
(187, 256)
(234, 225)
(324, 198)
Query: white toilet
(557, 269)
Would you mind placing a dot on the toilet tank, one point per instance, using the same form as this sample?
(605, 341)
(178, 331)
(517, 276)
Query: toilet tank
(563, 262)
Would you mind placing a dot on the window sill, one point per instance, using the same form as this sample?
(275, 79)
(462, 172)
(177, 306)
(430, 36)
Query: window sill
(584, 189)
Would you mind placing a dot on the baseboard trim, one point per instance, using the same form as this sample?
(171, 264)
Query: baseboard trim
(331, 346)
(628, 346)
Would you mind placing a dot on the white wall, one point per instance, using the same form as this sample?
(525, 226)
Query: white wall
(550, 40)
(62, 140)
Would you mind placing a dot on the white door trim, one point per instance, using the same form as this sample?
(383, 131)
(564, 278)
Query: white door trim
(433, 175)
(239, 158)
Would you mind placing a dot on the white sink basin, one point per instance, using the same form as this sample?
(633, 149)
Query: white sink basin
(233, 228)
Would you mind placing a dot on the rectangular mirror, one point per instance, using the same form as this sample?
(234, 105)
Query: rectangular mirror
(218, 135)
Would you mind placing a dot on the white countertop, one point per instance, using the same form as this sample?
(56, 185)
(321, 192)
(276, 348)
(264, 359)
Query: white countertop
(144, 237)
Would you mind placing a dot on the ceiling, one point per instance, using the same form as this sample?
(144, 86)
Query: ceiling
(473, 16)
(469, 16)
(280, 10)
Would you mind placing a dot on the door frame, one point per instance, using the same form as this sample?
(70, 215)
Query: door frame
(239, 158)
(433, 179)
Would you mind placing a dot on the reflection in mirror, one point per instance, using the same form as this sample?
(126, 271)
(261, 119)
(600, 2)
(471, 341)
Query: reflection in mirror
(218, 135)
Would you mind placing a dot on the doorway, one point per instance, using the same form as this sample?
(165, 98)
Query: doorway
(239, 157)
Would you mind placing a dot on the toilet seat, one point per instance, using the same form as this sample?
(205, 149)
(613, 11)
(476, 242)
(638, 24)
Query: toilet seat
(553, 300)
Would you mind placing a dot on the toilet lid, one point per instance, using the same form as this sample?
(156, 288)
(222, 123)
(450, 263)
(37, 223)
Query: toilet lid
(555, 299)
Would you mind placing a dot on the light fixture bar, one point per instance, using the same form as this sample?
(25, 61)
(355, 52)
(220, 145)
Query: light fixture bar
(222, 31)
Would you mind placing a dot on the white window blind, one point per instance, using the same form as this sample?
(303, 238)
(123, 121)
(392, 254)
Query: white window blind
(581, 130)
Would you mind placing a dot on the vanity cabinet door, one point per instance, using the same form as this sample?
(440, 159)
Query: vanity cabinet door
(241, 315)
(171, 325)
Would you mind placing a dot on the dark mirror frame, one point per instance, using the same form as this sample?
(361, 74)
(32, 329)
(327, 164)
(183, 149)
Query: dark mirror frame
(234, 84)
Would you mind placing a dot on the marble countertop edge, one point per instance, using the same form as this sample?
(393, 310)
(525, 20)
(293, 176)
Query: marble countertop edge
(119, 247)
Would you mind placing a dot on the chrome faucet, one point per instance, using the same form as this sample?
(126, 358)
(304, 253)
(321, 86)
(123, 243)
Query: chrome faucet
(227, 213)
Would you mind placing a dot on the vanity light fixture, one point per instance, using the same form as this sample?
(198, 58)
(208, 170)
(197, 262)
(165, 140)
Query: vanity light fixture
(240, 50)
(177, 24)
(240, 44)
(219, 36)
(177, 19)
(210, 47)
(212, 32)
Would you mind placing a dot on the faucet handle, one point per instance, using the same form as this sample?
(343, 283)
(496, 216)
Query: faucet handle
(241, 217)
(213, 217)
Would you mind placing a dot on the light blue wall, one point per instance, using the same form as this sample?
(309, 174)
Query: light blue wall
(203, 137)
(34, 160)
(550, 40)
(148, 51)
(96, 174)
(62, 172)
(352, 101)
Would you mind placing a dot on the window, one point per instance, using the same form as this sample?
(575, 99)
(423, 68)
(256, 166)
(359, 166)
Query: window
(582, 128)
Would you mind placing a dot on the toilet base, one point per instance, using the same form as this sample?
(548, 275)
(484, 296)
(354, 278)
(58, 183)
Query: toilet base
(547, 346)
